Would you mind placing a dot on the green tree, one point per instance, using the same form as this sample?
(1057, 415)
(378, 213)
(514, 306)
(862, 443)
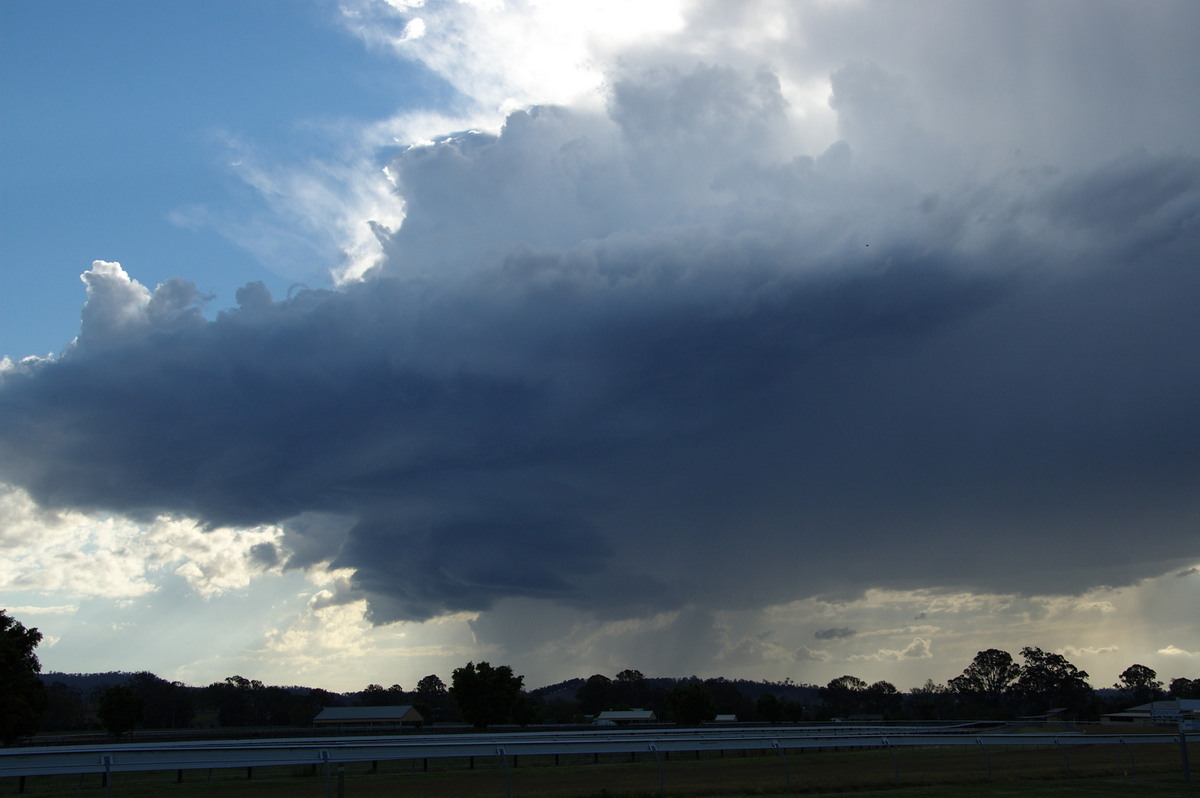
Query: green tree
(237, 700)
(432, 690)
(989, 675)
(168, 705)
(376, 695)
(1048, 681)
(843, 696)
(65, 708)
(1185, 688)
(628, 690)
(1139, 684)
(883, 698)
(595, 695)
(432, 700)
(985, 686)
(22, 694)
(769, 708)
(793, 711)
(728, 699)
(120, 710)
(930, 701)
(486, 695)
(692, 703)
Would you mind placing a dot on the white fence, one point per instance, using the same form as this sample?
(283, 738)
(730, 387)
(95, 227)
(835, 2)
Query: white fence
(133, 757)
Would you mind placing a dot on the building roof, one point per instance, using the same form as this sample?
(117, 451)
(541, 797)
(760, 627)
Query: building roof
(1176, 705)
(400, 714)
(1159, 709)
(626, 714)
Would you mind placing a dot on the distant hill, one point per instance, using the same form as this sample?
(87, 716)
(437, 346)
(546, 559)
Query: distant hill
(86, 683)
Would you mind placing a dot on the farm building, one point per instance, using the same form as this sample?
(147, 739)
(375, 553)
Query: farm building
(1156, 712)
(367, 717)
(624, 717)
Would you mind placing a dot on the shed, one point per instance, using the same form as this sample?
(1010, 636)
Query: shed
(1156, 712)
(365, 717)
(623, 717)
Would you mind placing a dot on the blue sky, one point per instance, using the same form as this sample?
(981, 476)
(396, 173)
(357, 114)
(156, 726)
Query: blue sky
(123, 116)
(759, 339)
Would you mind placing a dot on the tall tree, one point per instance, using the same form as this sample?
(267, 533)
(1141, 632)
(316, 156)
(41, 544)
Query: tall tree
(1139, 684)
(769, 707)
(1185, 688)
(595, 695)
(930, 701)
(376, 695)
(486, 695)
(432, 699)
(120, 709)
(168, 705)
(692, 703)
(843, 696)
(22, 694)
(1048, 681)
(985, 686)
(883, 698)
(628, 690)
(729, 700)
(65, 708)
(431, 689)
(990, 675)
(237, 700)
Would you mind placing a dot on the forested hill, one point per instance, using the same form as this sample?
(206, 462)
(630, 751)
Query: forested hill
(86, 683)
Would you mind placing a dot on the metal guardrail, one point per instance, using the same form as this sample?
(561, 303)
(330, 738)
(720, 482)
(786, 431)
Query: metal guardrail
(323, 751)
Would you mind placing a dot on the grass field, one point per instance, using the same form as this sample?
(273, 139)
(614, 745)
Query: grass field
(1085, 771)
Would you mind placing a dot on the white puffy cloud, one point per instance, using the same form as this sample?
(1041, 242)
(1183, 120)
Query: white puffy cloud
(1171, 650)
(84, 556)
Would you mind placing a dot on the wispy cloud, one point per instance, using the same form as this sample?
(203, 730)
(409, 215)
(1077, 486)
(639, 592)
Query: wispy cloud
(834, 634)
(919, 648)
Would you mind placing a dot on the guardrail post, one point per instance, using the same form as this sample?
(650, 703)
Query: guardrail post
(507, 775)
(987, 757)
(1129, 752)
(325, 762)
(658, 759)
(787, 772)
(341, 781)
(1066, 759)
(107, 760)
(895, 764)
(1183, 753)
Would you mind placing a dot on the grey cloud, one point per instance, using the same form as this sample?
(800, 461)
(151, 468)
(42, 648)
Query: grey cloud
(806, 654)
(574, 382)
(834, 634)
(265, 554)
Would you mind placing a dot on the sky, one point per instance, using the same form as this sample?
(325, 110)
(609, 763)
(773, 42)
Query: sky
(345, 343)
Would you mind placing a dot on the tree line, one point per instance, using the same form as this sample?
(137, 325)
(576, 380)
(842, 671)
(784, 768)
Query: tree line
(993, 686)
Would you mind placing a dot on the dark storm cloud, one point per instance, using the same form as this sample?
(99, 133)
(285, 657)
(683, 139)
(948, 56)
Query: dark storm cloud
(573, 382)
(834, 634)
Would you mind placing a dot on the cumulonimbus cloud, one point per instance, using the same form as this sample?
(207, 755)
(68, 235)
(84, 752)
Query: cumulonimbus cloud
(649, 357)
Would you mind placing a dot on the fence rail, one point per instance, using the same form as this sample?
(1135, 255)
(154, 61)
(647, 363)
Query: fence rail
(324, 751)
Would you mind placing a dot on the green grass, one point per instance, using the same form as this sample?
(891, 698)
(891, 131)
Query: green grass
(1095, 771)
